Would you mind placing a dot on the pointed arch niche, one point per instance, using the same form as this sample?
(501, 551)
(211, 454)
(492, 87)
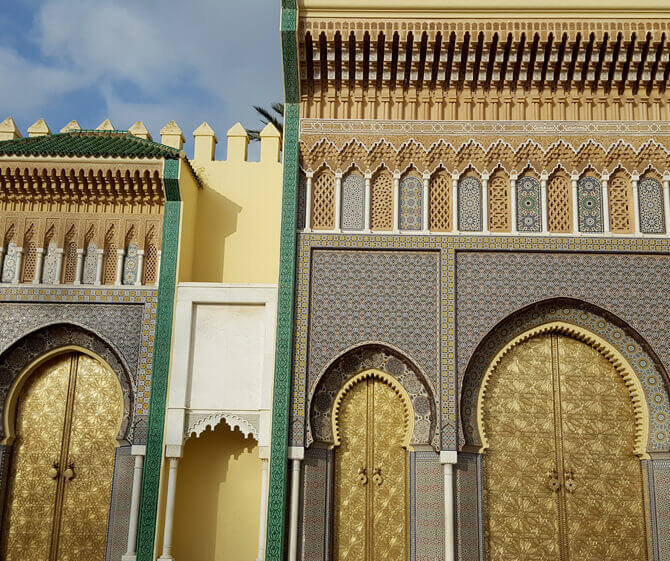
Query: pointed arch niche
(388, 362)
(625, 349)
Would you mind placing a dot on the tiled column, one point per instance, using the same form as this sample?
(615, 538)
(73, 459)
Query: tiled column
(19, 265)
(575, 206)
(454, 200)
(543, 203)
(119, 266)
(98, 268)
(60, 255)
(448, 459)
(338, 202)
(512, 194)
(308, 201)
(158, 267)
(79, 266)
(396, 200)
(296, 454)
(666, 199)
(606, 204)
(39, 261)
(140, 267)
(485, 203)
(426, 194)
(131, 552)
(169, 510)
(636, 204)
(366, 215)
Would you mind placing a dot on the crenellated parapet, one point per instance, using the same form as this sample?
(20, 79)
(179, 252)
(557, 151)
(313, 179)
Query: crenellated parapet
(81, 206)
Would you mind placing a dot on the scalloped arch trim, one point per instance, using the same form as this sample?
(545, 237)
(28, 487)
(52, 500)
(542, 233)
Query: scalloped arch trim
(202, 423)
(605, 349)
(408, 410)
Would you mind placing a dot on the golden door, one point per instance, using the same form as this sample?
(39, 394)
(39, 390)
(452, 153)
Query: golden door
(68, 416)
(561, 482)
(370, 507)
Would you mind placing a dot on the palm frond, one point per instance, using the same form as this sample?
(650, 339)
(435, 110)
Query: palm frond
(268, 117)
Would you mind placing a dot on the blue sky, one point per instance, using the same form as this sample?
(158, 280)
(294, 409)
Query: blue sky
(188, 61)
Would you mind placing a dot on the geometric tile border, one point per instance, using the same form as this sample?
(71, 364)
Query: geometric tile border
(145, 296)
(448, 247)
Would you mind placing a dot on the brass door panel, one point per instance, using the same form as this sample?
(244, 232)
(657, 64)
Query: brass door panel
(561, 481)
(521, 512)
(351, 478)
(68, 416)
(32, 491)
(98, 409)
(389, 476)
(605, 509)
(370, 507)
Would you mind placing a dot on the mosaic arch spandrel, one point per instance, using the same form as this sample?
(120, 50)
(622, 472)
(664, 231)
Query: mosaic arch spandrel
(596, 328)
(476, 294)
(21, 359)
(385, 359)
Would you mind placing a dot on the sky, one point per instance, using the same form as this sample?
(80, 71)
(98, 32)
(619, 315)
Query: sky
(128, 60)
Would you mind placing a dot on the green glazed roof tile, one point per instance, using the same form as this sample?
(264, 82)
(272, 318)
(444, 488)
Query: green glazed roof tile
(94, 143)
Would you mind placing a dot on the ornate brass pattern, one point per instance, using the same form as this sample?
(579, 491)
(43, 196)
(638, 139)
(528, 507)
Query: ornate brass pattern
(605, 510)
(98, 409)
(521, 521)
(32, 491)
(561, 427)
(68, 417)
(389, 458)
(349, 524)
(370, 516)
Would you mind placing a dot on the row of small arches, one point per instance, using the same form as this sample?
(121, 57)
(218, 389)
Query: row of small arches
(26, 262)
(473, 204)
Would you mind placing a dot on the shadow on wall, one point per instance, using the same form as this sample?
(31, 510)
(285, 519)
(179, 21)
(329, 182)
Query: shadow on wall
(218, 497)
(219, 215)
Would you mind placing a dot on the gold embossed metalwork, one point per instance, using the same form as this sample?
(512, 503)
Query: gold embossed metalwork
(37, 447)
(68, 416)
(371, 485)
(560, 428)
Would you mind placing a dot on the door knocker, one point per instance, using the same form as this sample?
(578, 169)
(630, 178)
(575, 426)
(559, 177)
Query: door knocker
(362, 476)
(377, 476)
(553, 482)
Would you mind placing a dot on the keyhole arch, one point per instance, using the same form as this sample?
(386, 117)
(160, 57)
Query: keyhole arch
(373, 373)
(618, 361)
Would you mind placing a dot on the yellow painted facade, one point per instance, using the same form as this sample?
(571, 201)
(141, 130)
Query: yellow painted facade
(238, 211)
(218, 497)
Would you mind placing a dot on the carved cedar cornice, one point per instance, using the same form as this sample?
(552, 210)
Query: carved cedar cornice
(67, 181)
(575, 158)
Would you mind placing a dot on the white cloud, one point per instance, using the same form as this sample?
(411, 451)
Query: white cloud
(28, 85)
(152, 61)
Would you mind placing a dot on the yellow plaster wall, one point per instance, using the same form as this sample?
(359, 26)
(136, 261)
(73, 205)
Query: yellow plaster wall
(189, 191)
(238, 221)
(217, 503)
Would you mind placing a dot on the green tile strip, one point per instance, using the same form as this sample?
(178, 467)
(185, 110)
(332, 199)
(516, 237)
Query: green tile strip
(282, 379)
(146, 534)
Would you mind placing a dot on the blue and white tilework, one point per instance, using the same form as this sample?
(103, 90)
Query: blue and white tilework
(590, 204)
(353, 202)
(470, 205)
(529, 215)
(411, 203)
(650, 198)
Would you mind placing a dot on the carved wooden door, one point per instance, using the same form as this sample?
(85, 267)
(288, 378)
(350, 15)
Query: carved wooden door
(68, 416)
(561, 481)
(370, 507)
